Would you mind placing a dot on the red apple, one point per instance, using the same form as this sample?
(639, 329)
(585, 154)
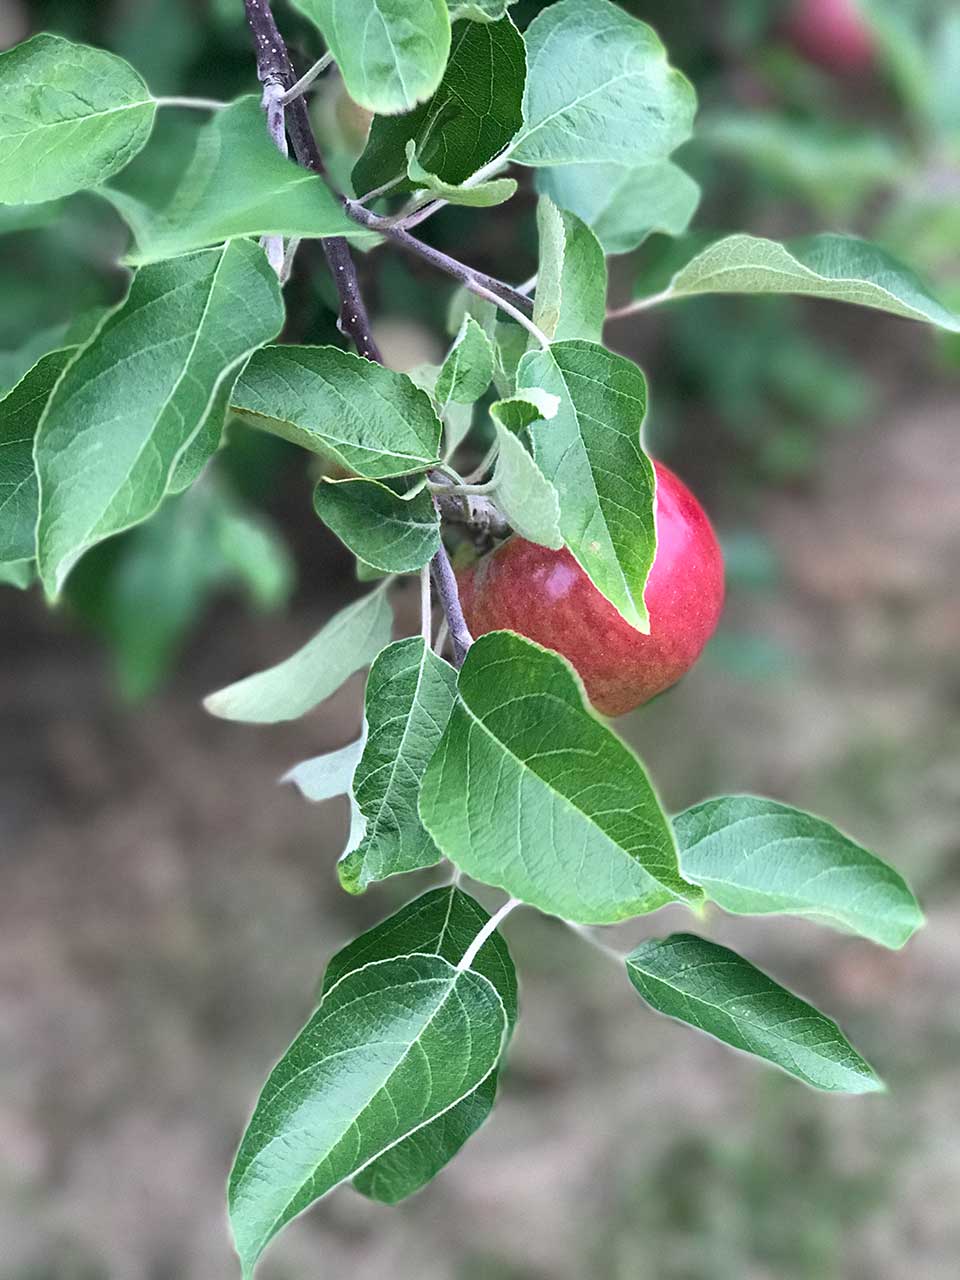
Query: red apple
(546, 596)
(832, 34)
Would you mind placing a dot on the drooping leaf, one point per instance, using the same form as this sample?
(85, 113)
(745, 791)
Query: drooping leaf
(138, 393)
(441, 922)
(368, 418)
(623, 205)
(391, 53)
(529, 791)
(410, 693)
(480, 195)
(392, 1047)
(721, 993)
(324, 777)
(468, 369)
(571, 298)
(470, 119)
(70, 117)
(388, 532)
(350, 640)
(236, 184)
(841, 268)
(524, 494)
(599, 90)
(757, 857)
(591, 454)
(20, 412)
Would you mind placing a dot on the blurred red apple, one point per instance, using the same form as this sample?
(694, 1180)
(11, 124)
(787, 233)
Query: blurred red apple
(546, 596)
(831, 33)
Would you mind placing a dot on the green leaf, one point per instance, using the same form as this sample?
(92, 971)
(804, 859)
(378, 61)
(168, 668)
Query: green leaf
(571, 297)
(441, 922)
(721, 993)
(756, 857)
(529, 405)
(529, 791)
(468, 369)
(591, 454)
(133, 399)
(368, 418)
(470, 119)
(524, 494)
(236, 184)
(392, 1047)
(350, 640)
(624, 205)
(410, 693)
(328, 776)
(18, 573)
(71, 116)
(599, 90)
(481, 195)
(479, 10)
(388, 532)
(20, 412)
(391, 53)
(841, 268)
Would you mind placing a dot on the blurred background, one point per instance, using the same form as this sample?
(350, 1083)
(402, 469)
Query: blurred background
(166, 909)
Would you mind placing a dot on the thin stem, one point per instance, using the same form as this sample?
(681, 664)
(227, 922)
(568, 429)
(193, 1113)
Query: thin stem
(446, 583)
(486, 932)
(382, 190)
(307, 79)
(641, 304)
(422, 213)
(275, 68)
(193, 104)
(583, 932)
(443, 635)
(511, 310)
(426, 606)
(489, 459)
(463, 490)
(528, 286)
(276, 127)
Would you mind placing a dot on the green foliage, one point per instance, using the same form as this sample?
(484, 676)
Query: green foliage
(132, 400)
(71, 117)
(523, 493)
(577, 829)
(473, 115)
(392, 1047)
(388, 532)
(410, 694)
(591, 454)
(571, 299)
(468, 369)
(367, 418)
(352, 638)
(757, 857)
(391, 53)
(719, 992)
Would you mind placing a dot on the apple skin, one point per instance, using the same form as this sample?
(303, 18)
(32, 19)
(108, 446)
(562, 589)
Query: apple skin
(545, 596)
(832, 34)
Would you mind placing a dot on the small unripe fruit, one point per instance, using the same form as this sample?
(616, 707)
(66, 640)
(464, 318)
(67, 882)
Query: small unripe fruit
(546, 596)
(832, 34)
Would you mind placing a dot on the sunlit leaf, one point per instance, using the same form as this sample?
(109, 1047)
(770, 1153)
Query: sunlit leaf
(480, 195)
(571, 296)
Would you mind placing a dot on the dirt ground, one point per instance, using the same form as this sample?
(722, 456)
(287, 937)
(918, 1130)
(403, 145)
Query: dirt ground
(166, 910)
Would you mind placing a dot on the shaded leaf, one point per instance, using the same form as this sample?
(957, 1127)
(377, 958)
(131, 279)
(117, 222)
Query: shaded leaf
(391, 1047)
(350, 640)
(599, 89)
(721, 993)
(529, 791)
(756, 857)
(410, 693)
(468, 369)
(524, 494)
(368, 418)
(469, 120)
(441, 922)
(388, 532)
(591, 454)
(139, 392)
(328, 776)
(391, 53)
(70, 117)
